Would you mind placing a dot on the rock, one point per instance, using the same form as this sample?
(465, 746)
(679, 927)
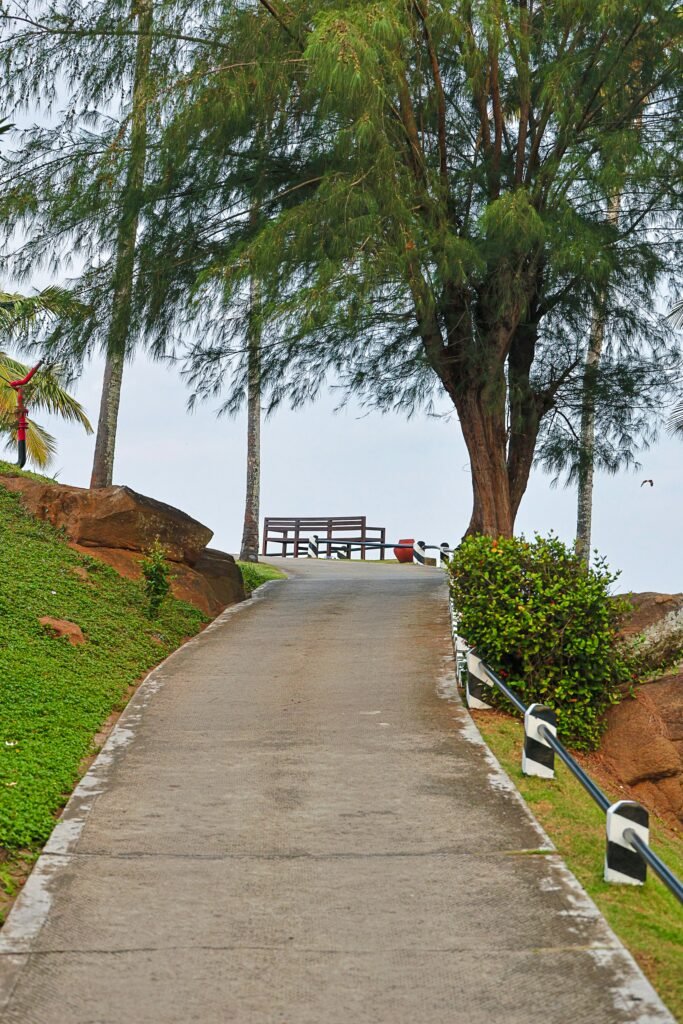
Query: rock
(664, 797)
(666, 695)
(222, 574)
(113, 517)
(213, 583)
(649, 609)
(62, 627)
(636, 744)
(116, 525)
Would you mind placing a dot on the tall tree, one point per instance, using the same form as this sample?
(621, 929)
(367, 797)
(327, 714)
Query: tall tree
(433, 210)
(586, 468)
(76, 187)
(118, 338)
(250, 533)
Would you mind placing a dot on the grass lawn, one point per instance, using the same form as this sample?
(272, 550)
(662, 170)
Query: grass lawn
(256, 573)
(647, 919)
(54, 697)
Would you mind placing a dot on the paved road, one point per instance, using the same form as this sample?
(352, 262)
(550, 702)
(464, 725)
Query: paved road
(291, 826)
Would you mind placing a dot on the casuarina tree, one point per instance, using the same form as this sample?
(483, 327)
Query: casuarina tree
(433, 210)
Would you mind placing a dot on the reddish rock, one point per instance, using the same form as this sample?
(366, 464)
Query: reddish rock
(665, 797)
(649, 608)
(62, 627)
(636, 744)
(213, 583)
(113, 517)
(666, 695)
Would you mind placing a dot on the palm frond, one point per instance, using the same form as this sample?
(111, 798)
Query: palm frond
(19, 312)
(675, 315)
(675, 422)
(41, 446)
(45, 391)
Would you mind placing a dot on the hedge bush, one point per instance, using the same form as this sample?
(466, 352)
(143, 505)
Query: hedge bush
(546, 624)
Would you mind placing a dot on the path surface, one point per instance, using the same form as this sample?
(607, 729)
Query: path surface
(290, 826)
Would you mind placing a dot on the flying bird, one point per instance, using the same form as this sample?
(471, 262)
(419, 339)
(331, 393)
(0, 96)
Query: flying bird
(650, 482)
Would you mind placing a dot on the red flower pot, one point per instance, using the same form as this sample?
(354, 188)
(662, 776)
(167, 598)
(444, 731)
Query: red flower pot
(405, 554)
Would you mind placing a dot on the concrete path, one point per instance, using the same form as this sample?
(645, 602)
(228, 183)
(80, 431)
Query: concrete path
(291, 826)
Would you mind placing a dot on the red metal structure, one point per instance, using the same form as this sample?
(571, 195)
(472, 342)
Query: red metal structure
(22, 418)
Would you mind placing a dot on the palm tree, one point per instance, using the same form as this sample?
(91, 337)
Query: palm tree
(22, 314)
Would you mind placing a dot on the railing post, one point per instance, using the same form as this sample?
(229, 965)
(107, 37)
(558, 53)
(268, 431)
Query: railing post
(444, 553)
(313, 546)
(476, 684)
(622, 863)
(419, 552)
(538, 757)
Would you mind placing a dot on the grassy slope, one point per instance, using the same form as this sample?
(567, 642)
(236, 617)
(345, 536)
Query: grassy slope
(256, 573)
(54, 697)
(648, 920)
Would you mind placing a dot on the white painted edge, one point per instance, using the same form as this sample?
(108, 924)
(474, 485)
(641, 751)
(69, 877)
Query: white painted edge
(632, 994)
(29, 913)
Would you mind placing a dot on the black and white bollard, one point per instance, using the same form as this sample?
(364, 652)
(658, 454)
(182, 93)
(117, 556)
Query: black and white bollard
(538, 757)
(622, 863)
(420, 552)
(444, 553)
(477, 684)
(341, 553)
(313, 546)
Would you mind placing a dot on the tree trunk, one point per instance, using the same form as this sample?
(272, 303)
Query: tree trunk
(124, 266)
(482, 421)
(250, 535)
(584, 514)
(103, 464)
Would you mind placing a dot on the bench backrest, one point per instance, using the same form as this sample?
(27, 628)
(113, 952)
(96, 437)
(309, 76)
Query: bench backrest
(293, 531)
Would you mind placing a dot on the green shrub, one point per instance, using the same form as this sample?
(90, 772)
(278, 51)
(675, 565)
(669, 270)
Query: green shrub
(545, 624)
(157, 577)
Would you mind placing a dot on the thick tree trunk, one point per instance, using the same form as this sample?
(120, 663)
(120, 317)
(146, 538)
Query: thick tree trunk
(584, 513)
(124, 267)
(526, 409)
(103, 464)
(482, 421)
(250, 536)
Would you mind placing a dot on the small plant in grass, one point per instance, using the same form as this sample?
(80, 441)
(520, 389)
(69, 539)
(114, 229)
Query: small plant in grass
(546, 624)
(157, 577)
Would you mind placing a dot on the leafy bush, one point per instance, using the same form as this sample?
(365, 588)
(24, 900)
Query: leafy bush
(157, 577)
(545, 624)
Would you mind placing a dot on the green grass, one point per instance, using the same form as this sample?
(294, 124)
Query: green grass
(9, 469)
(647, 919)
(54, 697)
(256, 573)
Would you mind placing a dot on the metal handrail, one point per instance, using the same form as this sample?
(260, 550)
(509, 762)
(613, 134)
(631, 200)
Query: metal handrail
(663, 872)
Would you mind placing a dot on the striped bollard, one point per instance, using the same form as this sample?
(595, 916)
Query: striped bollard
(340, 553)
(538, 757)
(445, 553)
(622, 863)
(420, 552)
(476, 684)
(312, 546)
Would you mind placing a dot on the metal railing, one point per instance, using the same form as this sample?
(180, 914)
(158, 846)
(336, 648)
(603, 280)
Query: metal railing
(339, 548)
(628, 853)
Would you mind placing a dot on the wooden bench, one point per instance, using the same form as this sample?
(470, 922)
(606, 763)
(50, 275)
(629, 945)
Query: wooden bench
(294, 533)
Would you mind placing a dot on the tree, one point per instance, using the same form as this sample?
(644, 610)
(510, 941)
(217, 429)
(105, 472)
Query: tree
(250, 533)
(76, 187)
(118, 337)
(434, 194)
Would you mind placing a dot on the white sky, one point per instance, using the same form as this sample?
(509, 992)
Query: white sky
(410, 476)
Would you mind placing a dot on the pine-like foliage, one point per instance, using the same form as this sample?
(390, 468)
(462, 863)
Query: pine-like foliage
(432, 180)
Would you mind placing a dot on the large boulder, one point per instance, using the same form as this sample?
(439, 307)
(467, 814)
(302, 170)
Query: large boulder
(210, 591)
(116, 525)
(656, 625)
(113, 517)
(643, 744)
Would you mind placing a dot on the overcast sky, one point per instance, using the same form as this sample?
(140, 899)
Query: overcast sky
(409, 476)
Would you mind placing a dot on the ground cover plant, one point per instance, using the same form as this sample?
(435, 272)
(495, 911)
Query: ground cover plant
(648, 919)
(54, 696)
(547, 624)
